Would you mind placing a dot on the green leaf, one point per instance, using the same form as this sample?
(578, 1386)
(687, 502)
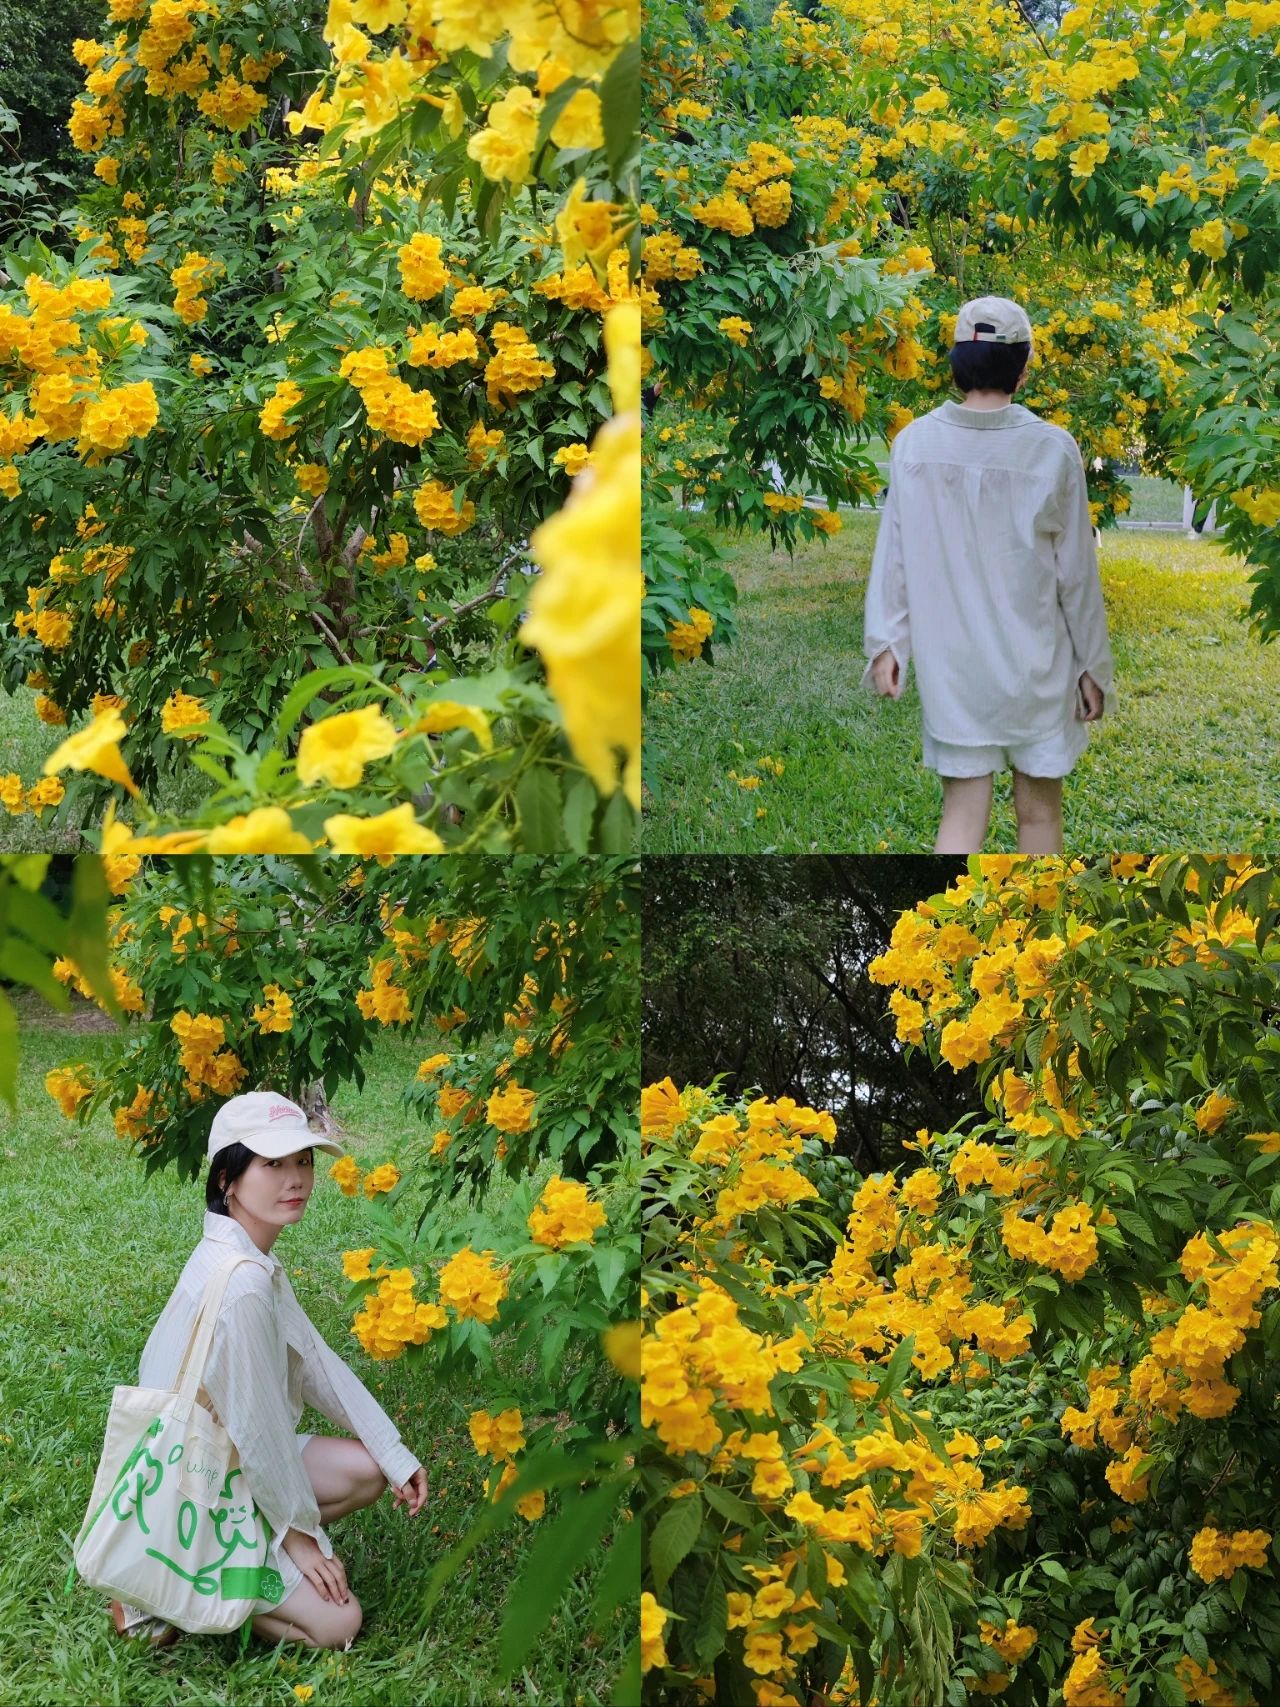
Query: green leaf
(713, 1620)
(618, 826)
(619, 1575)
(22, 964)
(8, 1052)
(1052, 1568)
(610, 1261)
(673, 1537)
(620, 105)
(1170, 1690)
(554, 1559)
(579, 811)
(1193, 1641)
(896, 1370)
(539, 805)
(87, 929)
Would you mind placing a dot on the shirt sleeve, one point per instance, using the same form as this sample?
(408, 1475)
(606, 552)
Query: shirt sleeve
(331, 1387)
(1079, 584)
(885, 623)
(246, 1377)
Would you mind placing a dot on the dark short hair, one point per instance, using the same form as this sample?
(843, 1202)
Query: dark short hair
(980, 366)
(232, 1160)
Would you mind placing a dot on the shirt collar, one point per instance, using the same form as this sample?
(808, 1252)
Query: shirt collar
(227, 1231)
(1011, 415)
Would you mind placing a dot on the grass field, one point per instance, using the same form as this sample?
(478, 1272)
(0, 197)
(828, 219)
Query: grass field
(1186, 757)
(92, 1252)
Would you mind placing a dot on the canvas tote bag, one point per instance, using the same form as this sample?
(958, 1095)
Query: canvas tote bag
(171, 1526)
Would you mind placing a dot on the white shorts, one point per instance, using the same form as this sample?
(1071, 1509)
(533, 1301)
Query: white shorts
(1053, 756)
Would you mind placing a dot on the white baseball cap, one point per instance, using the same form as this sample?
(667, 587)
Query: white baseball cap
(266, 1123)
(992, 320)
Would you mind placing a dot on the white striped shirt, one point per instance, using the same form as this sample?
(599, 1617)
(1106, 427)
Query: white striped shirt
(985, 570)
(265, 1363)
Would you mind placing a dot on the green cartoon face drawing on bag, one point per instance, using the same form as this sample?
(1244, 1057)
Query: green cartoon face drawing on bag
(231, 1524)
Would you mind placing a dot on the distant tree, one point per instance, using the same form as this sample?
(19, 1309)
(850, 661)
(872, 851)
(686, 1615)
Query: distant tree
(39, 79)
(757, 969)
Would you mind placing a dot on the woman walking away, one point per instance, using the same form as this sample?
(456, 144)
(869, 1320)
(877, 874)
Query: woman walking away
(985, 568)
(265, 1362)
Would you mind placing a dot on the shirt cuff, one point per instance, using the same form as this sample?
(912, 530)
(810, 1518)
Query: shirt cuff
(397, 1464)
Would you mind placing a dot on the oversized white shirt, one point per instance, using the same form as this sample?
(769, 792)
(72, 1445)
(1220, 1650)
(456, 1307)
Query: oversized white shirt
(985, 569)
(265, 1363)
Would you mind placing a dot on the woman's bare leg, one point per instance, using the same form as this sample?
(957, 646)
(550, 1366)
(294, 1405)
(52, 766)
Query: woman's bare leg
(345, 1479)
(1037, 801)
(966, 808)
(306, 1616)
(343, 1474)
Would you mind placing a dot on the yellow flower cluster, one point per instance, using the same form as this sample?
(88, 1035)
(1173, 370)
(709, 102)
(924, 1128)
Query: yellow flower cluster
(1086, 1685)
(686, 639)
(385, 1177)
(653, 1620)
(134, 1119)
(511, 1109)
(392, 406)
(472, 1285)
(433, 348)
(1069, 1246)
(202, 1056)
(515, 366)
(565, 1215)
(190, 280)
(67, 1088)
(433, 505)
(271, 417)
(496, 1437)
(385, 1001)
(736, 330)
(276, 1012)
(112, 418)
(345, 1173)
(391, 1318)
(422, 272)
(666, 257)
(183, 714)
(1218, 1554)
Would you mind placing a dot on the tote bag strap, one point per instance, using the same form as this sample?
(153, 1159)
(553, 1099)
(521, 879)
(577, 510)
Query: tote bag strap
(191, 1371)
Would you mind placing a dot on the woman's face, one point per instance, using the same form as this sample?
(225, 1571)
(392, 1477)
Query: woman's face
(276, 1190)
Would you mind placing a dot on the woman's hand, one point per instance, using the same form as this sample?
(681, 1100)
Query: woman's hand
(327, 1576)
(1091, 699)
(886, 677)
(413, 1493)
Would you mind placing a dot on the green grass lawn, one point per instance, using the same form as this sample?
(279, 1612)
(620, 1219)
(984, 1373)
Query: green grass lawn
(92, 1252)
(1186, 757)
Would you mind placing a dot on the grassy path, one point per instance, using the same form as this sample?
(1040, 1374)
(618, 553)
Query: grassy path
(1188, 757)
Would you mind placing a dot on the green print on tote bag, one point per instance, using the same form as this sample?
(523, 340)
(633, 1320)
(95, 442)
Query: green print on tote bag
(172, 1526)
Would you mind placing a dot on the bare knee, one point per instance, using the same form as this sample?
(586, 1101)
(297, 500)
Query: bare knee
(345, 1626)
(337, 1626)
(329, 1626)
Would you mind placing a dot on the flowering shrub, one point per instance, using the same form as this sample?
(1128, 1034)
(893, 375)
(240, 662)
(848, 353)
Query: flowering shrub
(1010, 1428)
(258, 973)
(338, 395)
